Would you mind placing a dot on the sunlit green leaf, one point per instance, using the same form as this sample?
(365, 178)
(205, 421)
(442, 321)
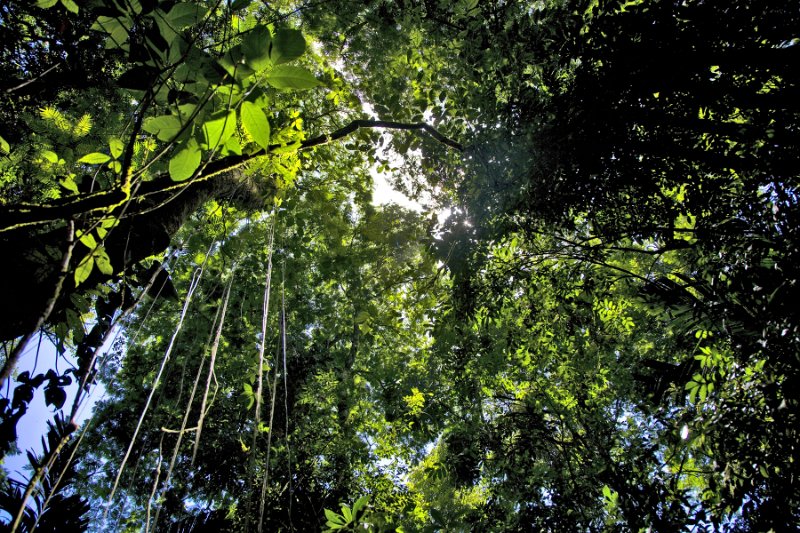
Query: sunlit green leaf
(95, 158)
(49, 155)
(84, 269)
(88, 240)
(70, 5)
(185, 161)
(164, 127)
(256, 124)
(68, 182)
(103, 262)
(219, 128)
(116, 147)
(231, 147)
(334, 518)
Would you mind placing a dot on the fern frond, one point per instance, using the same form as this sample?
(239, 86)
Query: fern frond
(83, 126)
(51, 114)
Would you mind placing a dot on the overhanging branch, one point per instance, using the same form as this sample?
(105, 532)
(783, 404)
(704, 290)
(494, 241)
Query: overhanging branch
(25, 215)
(381, 124)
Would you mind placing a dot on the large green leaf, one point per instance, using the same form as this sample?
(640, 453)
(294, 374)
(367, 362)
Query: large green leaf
(185, 161)
(165, 127)
(70, 5)
(255, 47)
(185, 14)
(84, 269)
(116, 146)
(256, 124)
(219, 128)
(290, 77)
(103, 262)
(286, 46)
(95, 158)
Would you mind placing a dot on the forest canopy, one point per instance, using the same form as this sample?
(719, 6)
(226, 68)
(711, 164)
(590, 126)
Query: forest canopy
(584, 324)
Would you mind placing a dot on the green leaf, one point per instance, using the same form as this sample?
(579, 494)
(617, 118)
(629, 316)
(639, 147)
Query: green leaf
(68, 182)
(334, 518)
(219, 128)
(290, 77)
(103, 262)
(84, 269)
(232, 146)
(116, 147)
(185, 161)
(5, 148)
(287, 45)
(165, 127)
(256, 124)
(88, 240)
(108, 24)
(70, 5)
(185, 14)
(348, 516)
(44, 4)
(255, 47)
(288, 149)
(360, 503)
(117, 37)
(50, 156)
(95, 158)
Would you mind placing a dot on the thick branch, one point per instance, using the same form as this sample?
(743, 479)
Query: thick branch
(22, 215)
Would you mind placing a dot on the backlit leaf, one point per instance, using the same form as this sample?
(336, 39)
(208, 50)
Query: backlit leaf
(287, 45)
(88, 240)
(291, 77)
(219, 128)
(95, 158)
(103, 262)
(185, 161)
(255, 47)
(256, 124)
(165, 127)
(50, 156)
(84, 269)
(70, 5)
(186, 14)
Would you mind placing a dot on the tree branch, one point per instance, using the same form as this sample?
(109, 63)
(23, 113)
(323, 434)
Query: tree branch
(23, 215)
